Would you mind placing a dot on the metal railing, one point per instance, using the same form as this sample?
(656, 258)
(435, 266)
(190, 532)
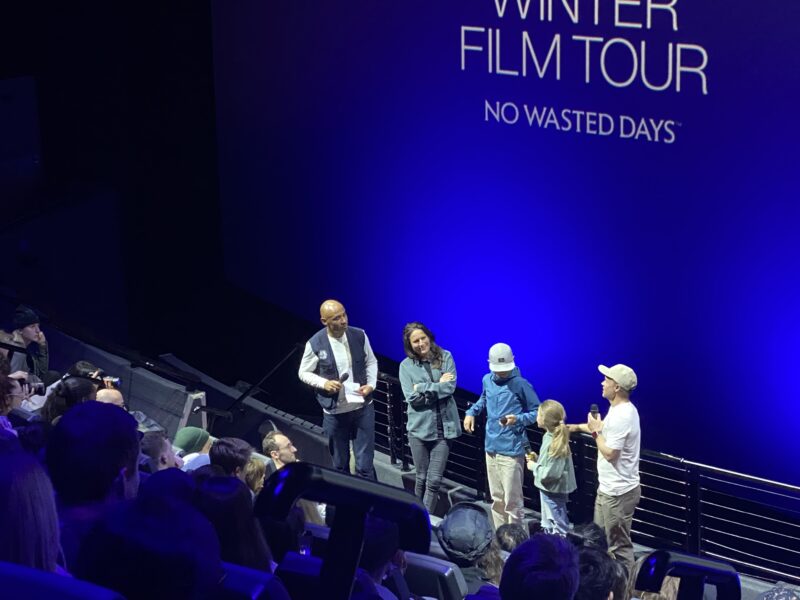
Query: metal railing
(752, 523)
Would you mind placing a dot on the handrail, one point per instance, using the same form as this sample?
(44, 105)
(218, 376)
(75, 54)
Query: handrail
(137, 360)
(695, 481)
(689, 463)
(752, 478)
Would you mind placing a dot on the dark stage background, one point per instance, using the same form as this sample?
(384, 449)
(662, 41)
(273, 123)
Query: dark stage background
(252, 158)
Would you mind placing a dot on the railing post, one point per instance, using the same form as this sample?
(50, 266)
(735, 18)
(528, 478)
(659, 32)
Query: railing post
(397, 419)
(481, 481)
(401, 435)
(694, 525)
(392, 424)
(584, 510)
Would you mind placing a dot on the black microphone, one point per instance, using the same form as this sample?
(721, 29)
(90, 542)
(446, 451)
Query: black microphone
(344, 377)
(595, 410)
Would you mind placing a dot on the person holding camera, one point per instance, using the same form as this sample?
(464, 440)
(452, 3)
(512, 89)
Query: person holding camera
(511, 404)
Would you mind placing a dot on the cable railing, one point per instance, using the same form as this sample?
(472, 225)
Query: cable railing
(751, 522)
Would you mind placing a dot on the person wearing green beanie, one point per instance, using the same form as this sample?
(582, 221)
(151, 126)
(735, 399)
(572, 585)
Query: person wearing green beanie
(194, 444)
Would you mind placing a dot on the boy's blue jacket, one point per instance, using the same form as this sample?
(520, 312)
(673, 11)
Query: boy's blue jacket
(512, 395)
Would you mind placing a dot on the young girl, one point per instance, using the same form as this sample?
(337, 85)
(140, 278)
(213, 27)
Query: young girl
(553, 472)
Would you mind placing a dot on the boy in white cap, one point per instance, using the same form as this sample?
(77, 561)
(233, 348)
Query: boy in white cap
(511, 405)
(618, 438)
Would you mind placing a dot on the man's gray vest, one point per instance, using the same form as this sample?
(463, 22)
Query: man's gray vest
(326, 367)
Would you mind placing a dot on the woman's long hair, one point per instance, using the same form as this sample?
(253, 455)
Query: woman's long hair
(70, 391)
(28, 518)
(436, 351)
(491, 563)
(554, 420)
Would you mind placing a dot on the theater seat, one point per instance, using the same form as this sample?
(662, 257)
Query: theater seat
(243, 583)
(696, 573)
(301, 575)
(435, 577)
(32, 584)
(319, 538)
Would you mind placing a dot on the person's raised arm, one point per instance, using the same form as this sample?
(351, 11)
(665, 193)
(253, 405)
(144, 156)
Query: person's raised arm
(578, 428)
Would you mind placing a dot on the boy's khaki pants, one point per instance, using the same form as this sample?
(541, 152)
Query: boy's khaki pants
(505, 486)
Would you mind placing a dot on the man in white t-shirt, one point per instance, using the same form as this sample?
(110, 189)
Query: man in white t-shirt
(618, 438)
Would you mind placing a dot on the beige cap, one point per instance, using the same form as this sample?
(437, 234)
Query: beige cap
(622, 374)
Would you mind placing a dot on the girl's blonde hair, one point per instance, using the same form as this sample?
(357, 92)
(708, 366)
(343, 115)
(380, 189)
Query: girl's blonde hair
(554, 420)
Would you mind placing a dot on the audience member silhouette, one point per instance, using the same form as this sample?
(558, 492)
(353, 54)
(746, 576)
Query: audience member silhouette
(232, 454)
(146, 550)
(545, 567)
(28, 518)
(226, 502)
(91, 456)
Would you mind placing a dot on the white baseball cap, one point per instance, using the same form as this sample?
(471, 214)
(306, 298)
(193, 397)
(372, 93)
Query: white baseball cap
(501, 358)
(622, 374)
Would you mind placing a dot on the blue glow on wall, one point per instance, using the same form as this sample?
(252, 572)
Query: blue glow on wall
(358, 160)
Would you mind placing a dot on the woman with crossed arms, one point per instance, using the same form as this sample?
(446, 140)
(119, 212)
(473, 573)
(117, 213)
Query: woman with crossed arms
(428, 378)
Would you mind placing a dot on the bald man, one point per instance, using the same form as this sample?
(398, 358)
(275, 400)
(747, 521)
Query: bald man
(110, 396)
(339, 364)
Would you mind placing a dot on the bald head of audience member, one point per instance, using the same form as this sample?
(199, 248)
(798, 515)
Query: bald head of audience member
(110, 396)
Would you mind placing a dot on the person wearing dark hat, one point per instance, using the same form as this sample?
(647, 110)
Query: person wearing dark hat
(36, 358)
(467, 538)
